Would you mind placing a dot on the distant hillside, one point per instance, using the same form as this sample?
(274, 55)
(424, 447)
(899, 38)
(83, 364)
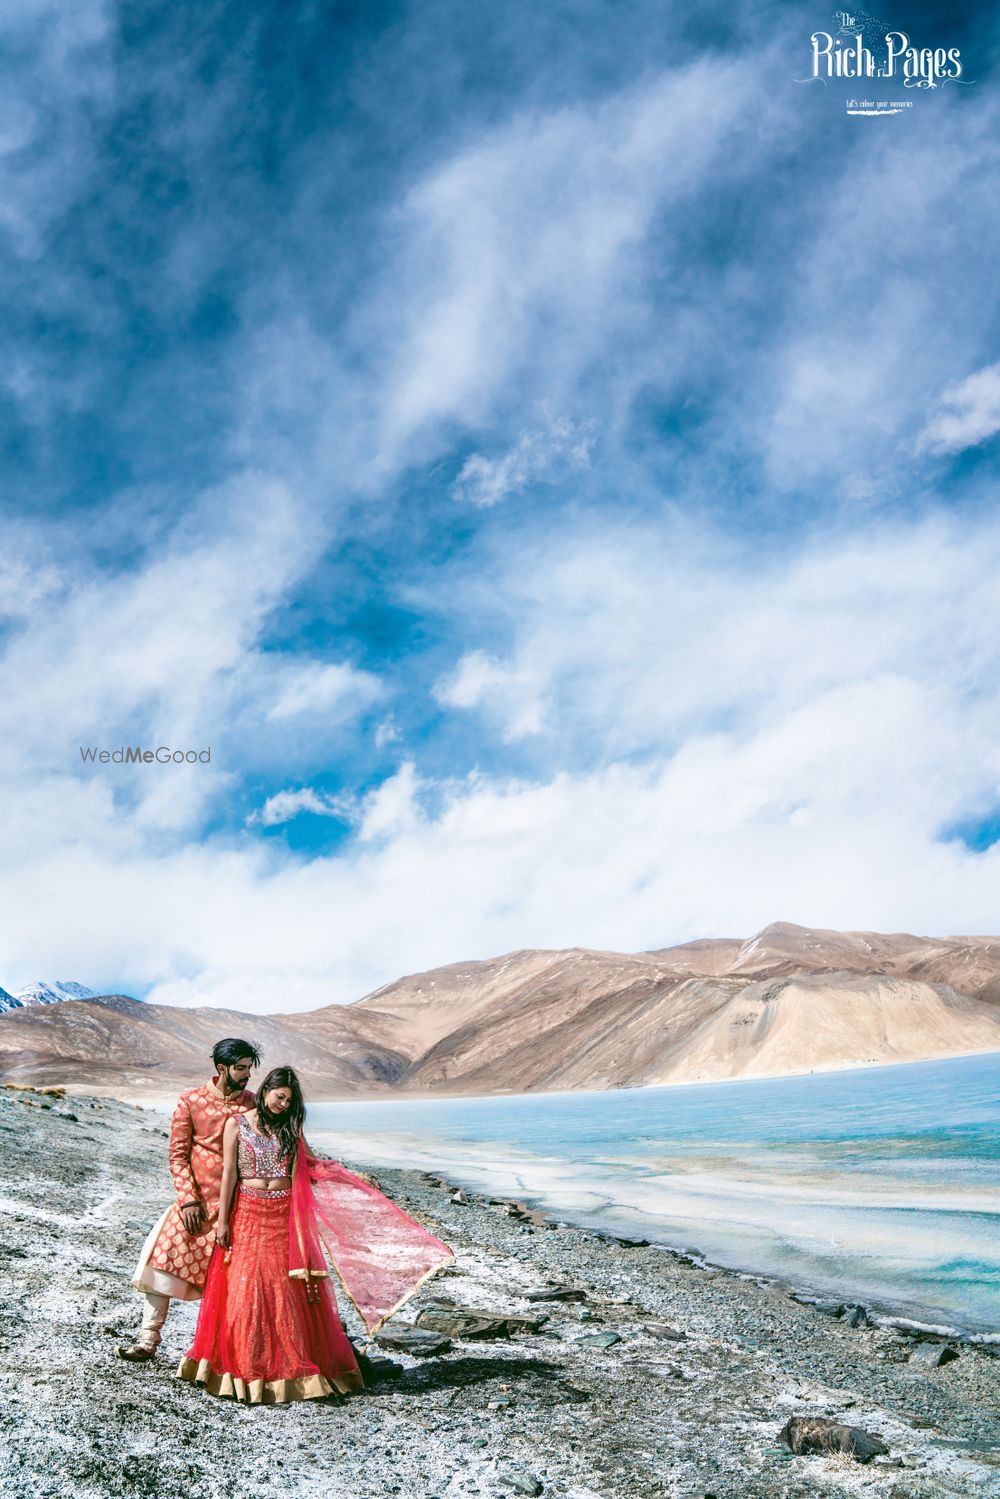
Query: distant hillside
(790, 999)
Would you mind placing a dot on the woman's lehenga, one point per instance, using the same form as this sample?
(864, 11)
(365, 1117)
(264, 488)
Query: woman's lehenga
(264, 1337)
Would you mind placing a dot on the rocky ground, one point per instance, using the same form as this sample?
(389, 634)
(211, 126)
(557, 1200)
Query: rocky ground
(643, 1375)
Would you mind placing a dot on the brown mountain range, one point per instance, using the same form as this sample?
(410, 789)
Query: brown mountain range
(790, 999)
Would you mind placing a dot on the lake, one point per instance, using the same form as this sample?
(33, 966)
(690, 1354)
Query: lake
(880, 1185)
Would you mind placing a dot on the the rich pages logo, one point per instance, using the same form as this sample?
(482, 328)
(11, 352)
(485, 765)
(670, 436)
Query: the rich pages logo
(875, 61)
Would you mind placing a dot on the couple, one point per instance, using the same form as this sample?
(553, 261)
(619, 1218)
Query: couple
(255, 1210)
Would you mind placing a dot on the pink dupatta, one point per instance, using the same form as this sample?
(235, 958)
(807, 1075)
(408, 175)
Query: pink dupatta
(381, 1254)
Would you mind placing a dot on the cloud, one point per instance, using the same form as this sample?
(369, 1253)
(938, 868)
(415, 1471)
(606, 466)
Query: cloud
(727, 748)
(537, 226)
(512, 693)
(486, 481)
(313, 687)
(286, 805)
(392, 809)
(971, 414)
(166, 652)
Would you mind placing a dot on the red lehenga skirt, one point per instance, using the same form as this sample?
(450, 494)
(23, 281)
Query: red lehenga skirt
(263, 1337)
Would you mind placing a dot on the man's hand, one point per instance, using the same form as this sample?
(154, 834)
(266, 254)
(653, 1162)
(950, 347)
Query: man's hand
(193, 1217)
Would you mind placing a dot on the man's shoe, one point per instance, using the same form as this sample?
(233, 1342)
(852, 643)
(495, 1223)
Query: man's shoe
(137, 1354)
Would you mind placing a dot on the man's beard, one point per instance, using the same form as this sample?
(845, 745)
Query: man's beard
(229, 1084)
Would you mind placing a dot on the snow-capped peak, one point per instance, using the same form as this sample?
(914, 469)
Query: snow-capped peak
(42, 993)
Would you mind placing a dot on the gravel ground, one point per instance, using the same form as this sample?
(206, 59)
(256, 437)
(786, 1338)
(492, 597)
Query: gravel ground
(82, 1180)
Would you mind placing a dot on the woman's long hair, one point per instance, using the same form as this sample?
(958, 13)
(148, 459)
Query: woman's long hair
(286, 1127)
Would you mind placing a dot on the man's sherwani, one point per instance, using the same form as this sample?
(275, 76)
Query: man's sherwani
(174, 1262)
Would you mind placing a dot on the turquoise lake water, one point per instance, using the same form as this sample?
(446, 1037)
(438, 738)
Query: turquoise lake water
(880, 1185)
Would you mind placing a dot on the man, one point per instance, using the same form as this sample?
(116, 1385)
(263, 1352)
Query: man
(175, 1256)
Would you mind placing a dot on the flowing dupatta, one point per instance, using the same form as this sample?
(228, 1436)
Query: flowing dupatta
(381, 1254)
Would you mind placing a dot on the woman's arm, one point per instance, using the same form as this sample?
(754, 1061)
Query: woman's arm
(229, 1135)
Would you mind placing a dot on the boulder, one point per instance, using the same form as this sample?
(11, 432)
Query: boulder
(664, 1330)
(463, 1324)
(933, 1355)
(811, 1436)
(521, 1483)
(600, 1339)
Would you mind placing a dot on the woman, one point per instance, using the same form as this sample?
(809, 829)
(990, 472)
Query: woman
(268, 1328)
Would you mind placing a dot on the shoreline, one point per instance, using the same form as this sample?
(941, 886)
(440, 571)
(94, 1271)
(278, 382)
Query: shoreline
(145, 1096)
(637, 1372)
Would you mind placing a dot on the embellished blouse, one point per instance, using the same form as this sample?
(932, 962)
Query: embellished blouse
(259, 1155)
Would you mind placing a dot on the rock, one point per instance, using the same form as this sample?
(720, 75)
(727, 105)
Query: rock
(809, 1436)
(522, 1483)
(409, 1339)
(825, 1308)
(933, 1355)
(856, 1316)
(525, 1321)
(471, 1322)
(502, 1404)
(664, 1330)
(558, 1293)
(624, 1243)
(459, 1196)
(600, 1339)
(464, 1324)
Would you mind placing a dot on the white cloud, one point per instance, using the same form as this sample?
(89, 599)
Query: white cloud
(781, 743)
(536, 227)
(392, 808)
(286, 805)
(970, 415)
(512, 693)
(166, 653)
(485, 481)
(387, 732)
(315, 687)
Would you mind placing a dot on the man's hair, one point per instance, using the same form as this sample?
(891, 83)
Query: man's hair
(232, 1050)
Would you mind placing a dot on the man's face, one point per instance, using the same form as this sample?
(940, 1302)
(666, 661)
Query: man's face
(236, 1076)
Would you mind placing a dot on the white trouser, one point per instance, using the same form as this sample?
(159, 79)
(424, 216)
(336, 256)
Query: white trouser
(153, 1317)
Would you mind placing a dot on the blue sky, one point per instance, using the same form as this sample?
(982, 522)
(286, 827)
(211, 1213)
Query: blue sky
(548, 455)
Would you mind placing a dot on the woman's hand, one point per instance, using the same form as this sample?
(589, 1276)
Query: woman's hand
(222, 1234)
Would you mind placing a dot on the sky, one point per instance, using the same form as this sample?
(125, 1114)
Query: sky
(542, 459)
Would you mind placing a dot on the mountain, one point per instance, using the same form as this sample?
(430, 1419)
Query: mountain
(790, 999)
(8, 1002)
(120, 1044)
(41, 993)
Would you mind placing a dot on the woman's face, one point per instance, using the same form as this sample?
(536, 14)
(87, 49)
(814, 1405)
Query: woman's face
(277, 1100)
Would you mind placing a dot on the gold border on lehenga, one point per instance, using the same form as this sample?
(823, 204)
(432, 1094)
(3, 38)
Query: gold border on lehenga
(267, 1391)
